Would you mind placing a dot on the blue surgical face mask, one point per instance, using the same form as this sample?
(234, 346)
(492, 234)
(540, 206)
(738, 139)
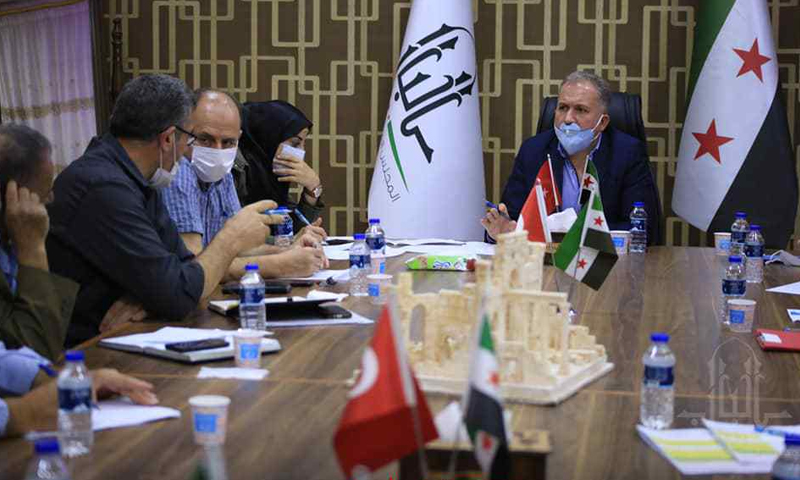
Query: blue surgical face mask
(573, 139)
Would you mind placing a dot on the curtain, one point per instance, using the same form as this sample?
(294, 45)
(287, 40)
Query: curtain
(46, 77)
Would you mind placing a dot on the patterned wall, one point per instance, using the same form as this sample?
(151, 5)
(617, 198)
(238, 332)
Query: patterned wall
(334, 59)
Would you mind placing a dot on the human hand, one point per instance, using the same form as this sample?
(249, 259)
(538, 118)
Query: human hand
(311, 235)
(122, 311)
(249, 228)
(293, 169)
(108, 382)
(496, 223)
(27, 222)
(302, 262)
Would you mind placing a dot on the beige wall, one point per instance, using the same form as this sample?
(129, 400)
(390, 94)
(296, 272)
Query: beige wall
(334, 59)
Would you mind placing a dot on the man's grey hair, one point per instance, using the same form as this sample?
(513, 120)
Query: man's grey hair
(602, 87)
(150, 104)
(22, 151)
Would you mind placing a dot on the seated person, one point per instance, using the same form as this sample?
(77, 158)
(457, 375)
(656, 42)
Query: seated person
(202, 196)
(111, 232)
(35, 305)
(621, 160)
(30, 399)
(266, 128)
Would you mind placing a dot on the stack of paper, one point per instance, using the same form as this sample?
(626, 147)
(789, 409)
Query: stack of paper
(437, 246)
(124, 413)
(745, 443)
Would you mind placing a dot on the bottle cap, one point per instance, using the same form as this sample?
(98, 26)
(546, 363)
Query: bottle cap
(359, 236)
(251, 267)
(374, 221)
(741, 215)
(638, 204)
(792, 440)
(735, 259)
(755, 228)
(75, 355)
(659, 337)
(47, 445)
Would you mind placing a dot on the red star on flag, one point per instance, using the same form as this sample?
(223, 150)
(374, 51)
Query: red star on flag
(494, 379)
(587, 182)
(598, 221)
(582, 263)
(487, 442)
(752, 60)
(710, 142)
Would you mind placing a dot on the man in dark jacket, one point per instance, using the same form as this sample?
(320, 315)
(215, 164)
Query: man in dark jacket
(581, 132)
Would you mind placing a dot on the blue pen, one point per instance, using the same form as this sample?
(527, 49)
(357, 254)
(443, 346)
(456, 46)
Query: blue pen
(47, 369)
(492, 205)
(770, 431)
(303, 219)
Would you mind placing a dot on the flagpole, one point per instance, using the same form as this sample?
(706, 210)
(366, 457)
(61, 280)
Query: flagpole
(451, 469)
(573, 314)
(553, 181)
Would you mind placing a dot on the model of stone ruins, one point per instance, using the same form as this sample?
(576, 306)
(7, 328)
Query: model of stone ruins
(543, 359)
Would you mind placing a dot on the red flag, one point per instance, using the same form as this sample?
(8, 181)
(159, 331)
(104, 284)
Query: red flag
(541, 202)
(378, 424)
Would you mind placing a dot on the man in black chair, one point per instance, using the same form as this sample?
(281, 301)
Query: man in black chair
(582, 132)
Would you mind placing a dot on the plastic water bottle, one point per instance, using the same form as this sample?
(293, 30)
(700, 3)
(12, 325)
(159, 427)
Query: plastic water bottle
(376, 241)
(733, 285)
(47, 463)
(638, 228)
(787, 466)
(754, 249)
(252, 312)
(284, 232)
(75, 406)
(658, 390)
(360, 266)
(739, 231)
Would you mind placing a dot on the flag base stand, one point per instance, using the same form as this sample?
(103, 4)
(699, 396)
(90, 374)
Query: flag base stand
(528, 450)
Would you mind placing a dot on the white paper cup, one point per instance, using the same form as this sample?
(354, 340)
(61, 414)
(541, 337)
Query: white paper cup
(622, 239)
(377, 287)
(209, 418)
(722, 243)
(247, 348)
(741, 314)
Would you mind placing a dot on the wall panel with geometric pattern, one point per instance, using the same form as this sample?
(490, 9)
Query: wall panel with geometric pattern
(334, 59)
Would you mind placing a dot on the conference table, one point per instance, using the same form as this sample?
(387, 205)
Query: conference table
(282, 427)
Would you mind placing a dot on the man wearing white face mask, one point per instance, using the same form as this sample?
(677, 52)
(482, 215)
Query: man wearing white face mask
(581, 133)
(110, 231)
(203, 196)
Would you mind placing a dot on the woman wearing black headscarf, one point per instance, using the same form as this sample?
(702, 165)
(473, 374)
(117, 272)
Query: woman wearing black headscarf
(266, 128)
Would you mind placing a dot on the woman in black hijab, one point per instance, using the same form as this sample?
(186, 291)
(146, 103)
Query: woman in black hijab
(266, 128)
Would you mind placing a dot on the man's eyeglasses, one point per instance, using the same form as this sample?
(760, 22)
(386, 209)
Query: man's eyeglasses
(192, 136)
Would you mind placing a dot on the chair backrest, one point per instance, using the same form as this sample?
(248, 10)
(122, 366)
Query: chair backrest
(625, 112)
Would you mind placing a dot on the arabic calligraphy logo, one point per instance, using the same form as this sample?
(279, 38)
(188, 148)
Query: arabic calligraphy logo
(420, 91)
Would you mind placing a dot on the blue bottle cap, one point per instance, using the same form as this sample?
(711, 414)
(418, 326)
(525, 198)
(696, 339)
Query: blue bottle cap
(359, 236)
(755, 228)
(638, 204)
(791, 440)
(741, 215)
(278, 211)
(374, 221)
(75, 356)
(46, 445)
(735, 259)
(659, 338)
(251, 267)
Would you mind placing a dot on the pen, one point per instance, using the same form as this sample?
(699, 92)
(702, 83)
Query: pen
(47, 369)
(771, 431)
(492, 205)
(303, 219)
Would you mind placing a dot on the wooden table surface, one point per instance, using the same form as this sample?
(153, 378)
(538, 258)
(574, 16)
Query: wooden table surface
(282, 427)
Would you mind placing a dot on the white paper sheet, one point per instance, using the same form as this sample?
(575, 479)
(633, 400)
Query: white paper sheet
(694, 451)
(782, 257)
(470, 249)
(334, 276)
(422, 241)
(561, 222)
(123, 412)
(356, 319)
(791, 289)
(323, 295)
(342, 252)
(239, 373)
(745, 443)
(794, 314)
(163, 336)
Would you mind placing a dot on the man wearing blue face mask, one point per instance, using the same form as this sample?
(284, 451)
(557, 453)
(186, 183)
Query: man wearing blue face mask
(202, 197)
(581, 133)
(110, 231)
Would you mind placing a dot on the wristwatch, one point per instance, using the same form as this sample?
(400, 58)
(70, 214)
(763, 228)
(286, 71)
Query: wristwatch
(315, 193)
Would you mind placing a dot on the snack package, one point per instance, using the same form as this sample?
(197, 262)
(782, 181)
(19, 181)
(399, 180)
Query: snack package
(441, 262)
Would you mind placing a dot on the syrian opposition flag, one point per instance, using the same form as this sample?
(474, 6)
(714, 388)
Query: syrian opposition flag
(386, 416)
(590, 182)
(541, 202)
(430, 157)
(735, 152)
(587, 252)
(483, 406)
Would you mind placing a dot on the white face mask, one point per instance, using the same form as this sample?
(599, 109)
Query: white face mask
(212, 164)
(162, 178)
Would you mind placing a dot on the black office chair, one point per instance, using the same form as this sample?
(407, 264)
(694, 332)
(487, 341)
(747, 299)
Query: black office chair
(625, 112)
